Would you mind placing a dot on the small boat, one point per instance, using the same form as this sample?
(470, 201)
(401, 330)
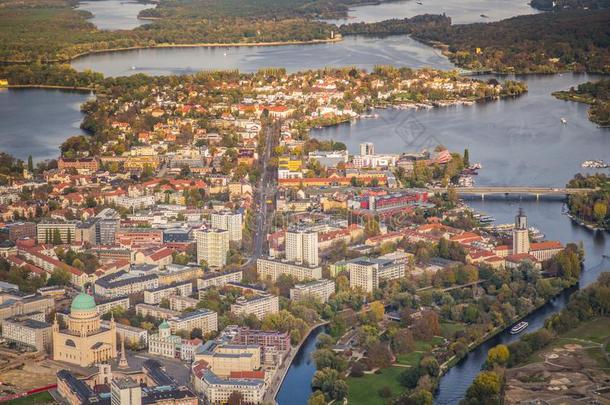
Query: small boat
(484, 16)
(420, 3)
(564, 121)
(518, 328)
(133, 68)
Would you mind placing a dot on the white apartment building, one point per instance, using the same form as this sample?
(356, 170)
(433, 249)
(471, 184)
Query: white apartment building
(272, 268)
(179, 303)
(366, 273)
(318, 289)
(203, 319)
(218, 279)
(259, 306)
(367, 149)
(228, 221)
(156, 295)
(212, 246)
(302, 247)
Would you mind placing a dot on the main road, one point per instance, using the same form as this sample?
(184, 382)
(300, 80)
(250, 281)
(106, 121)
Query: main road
(265, 190)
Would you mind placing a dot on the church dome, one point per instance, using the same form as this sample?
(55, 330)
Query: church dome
(82, 302)
(164, 325)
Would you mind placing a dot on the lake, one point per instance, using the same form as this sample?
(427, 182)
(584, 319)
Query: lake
(519, 141)
(461, 12)
(362, 52)
(114, 14)
(36, 121)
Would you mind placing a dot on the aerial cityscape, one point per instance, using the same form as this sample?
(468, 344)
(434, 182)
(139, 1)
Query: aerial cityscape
(304, 202)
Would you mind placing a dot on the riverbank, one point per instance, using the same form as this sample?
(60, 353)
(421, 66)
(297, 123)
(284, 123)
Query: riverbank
(275, 386)
(451, 362)
(48, 86)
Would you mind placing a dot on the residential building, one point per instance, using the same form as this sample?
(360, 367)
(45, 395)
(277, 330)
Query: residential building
(124, 283)
(228, 221)
(46, 231)
(156, 295)
(107, 223)
(203, 319)
(135, 337)
(214, 279)
(318, 289)
(271, 269)
(366, 273)
(155, 311)
(180, 303)
(28, 332)
(259, 305)
(212, 246)
(302, 246)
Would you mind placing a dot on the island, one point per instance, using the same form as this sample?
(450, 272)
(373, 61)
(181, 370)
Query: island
(592, 209)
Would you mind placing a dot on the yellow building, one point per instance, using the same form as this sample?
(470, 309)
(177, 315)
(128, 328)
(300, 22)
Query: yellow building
(85, 342)
(289, 163)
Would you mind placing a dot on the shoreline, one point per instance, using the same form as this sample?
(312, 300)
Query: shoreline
(291, 357)
(49, 87)
(338, 38)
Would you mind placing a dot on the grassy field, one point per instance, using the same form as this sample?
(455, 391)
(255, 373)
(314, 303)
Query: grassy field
(589, 333)
(36, 399)
(364, 390)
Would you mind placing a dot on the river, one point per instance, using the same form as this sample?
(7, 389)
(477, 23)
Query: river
(114, 14)
(36, 121)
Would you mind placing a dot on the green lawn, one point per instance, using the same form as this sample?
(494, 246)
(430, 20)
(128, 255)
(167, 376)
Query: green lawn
(36, 399)
(596, 331)
(364, 390)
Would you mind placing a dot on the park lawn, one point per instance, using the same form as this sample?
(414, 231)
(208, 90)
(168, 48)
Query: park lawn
(597, 330)
(364, 390)
(410, 359)
(36, 399)
(449, 329)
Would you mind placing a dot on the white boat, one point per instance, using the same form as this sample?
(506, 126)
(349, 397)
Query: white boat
(564, 121)
(518, 328)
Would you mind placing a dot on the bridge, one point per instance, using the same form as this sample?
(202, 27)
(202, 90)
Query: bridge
(537, 191)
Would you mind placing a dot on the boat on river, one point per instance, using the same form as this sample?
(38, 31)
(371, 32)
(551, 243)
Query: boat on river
(518, 328)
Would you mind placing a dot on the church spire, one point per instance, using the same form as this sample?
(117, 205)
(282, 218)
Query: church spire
(123, 360)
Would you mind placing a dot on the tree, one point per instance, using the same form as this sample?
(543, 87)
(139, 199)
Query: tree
(485, 388)
(422, 397)
(59, 277)
(409, 377)
(329, 382)
(379, 355)
(377, 311)
(600, 209)
(30, 164)
(466, 158)
(403, 342)
(236, 398)
(430, 365)
(498, 355)
(56, 237)
(317, 398)
(385, 392)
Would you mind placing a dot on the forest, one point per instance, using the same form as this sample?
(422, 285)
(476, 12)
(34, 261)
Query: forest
(47, 31)
(593, 208)
(597, 94)
(540, 43)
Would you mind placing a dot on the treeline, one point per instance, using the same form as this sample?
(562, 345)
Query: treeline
(597, 94)
(556, 5)
(539, 43)
(396, 26)
(40, 31)
(591, 207)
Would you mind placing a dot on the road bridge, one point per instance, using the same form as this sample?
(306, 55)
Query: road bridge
(506, 190)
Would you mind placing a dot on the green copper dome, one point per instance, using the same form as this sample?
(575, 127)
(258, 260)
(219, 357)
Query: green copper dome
(164, 325)
(83, 302)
